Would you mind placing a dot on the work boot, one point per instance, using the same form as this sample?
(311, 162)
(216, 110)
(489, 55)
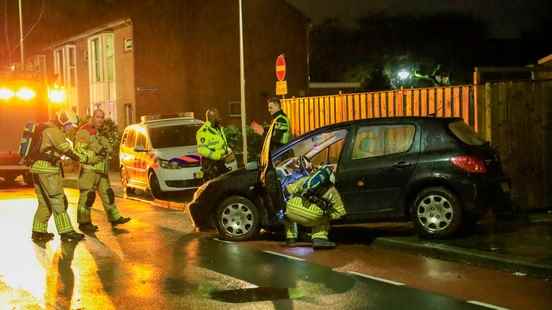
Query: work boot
(120, 220)
(318, 243)
(42, 236)
(71, 236)
(88, 227)
(290, 242)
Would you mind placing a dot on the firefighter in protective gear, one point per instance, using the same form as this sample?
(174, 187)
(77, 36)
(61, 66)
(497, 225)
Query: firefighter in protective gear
(95, 176)
(212, 146)
(48, 181)
(314, 203)
(281, 128)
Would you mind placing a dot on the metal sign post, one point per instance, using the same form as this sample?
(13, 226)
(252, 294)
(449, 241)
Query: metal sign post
(21, 37)
(242, 83)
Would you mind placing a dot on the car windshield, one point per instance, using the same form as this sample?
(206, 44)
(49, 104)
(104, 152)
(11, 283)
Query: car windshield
(465, 133)
(312, 145)
(173, 136)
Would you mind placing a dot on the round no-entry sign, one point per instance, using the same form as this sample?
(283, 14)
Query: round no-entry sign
(280, 67)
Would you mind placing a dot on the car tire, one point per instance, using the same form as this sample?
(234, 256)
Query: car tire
(154, 187)
(437, 213)
(124, 183)
(237, 219)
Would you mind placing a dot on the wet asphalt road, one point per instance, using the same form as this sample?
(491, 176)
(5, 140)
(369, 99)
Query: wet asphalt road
(157, 261)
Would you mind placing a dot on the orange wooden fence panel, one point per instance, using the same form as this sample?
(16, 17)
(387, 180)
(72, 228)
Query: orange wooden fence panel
(308, 113)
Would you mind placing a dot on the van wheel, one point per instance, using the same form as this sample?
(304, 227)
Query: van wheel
(124, 182)
(154, 187)
(437, 213)
(237, 219)
(28, 179)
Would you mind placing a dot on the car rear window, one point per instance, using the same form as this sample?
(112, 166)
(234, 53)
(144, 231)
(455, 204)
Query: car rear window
(173, 136)
(465, 133)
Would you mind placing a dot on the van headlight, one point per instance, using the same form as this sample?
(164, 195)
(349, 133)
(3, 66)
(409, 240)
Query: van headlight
(168, 164)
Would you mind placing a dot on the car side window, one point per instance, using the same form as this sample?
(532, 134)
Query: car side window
(330, 155)
(374, 141)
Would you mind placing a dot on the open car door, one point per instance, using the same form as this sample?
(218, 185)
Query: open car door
(267, 178)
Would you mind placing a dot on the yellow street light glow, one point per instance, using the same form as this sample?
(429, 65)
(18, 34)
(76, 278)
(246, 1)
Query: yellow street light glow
(6, 93)
(25, 93)
(56, 95)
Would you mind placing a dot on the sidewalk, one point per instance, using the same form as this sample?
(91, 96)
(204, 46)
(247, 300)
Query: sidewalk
(522, 246)
(71, 180)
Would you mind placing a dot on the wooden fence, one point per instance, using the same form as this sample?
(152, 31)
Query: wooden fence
(516, 117)
(309, 113)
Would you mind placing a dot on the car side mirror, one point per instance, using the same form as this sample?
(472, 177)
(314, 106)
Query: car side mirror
(139, 149)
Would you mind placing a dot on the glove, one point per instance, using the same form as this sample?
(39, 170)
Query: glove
(73, 156)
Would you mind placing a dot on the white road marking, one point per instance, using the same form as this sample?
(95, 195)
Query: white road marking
(375, 278)
(223, 241)
(475, 302)
(284, 255)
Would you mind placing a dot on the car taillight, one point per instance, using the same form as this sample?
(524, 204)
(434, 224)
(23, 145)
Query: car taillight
(469, 164)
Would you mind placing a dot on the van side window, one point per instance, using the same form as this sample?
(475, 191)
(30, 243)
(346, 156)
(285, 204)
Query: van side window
(124, 138)
(130, 138)
(141, 140)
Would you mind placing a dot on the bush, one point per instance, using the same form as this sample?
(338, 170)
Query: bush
(254, 142)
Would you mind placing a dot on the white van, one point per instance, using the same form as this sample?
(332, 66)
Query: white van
(160, 155)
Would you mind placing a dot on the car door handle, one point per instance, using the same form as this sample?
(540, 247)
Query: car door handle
(402, 164)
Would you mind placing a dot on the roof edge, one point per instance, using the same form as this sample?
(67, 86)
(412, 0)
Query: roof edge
(114, 24)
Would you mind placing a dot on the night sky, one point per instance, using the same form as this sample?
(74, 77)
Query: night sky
(506, 18)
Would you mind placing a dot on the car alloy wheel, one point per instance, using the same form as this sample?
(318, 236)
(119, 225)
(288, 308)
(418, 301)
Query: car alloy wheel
(237, 219)
(437, 212)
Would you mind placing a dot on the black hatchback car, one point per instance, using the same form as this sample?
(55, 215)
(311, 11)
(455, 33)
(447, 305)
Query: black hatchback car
(434, 171)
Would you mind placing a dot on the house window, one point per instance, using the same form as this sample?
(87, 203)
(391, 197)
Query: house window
(65, 65)
(65, 69)
(234, 109)
(101, 64)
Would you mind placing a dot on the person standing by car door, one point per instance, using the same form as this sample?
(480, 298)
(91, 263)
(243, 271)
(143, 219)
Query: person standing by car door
(281, 132)
(95, 176)
(212, 146)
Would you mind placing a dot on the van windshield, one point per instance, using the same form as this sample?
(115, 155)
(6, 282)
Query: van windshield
(173, 136)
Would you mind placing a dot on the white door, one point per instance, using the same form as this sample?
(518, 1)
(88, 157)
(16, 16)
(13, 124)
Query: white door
(101, 62)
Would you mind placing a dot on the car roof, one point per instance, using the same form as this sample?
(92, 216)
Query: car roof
(167, 122)
(372, 121)
(383, 120)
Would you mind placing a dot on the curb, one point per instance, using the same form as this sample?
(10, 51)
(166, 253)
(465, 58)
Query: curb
(73, 183)
(514, 264)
